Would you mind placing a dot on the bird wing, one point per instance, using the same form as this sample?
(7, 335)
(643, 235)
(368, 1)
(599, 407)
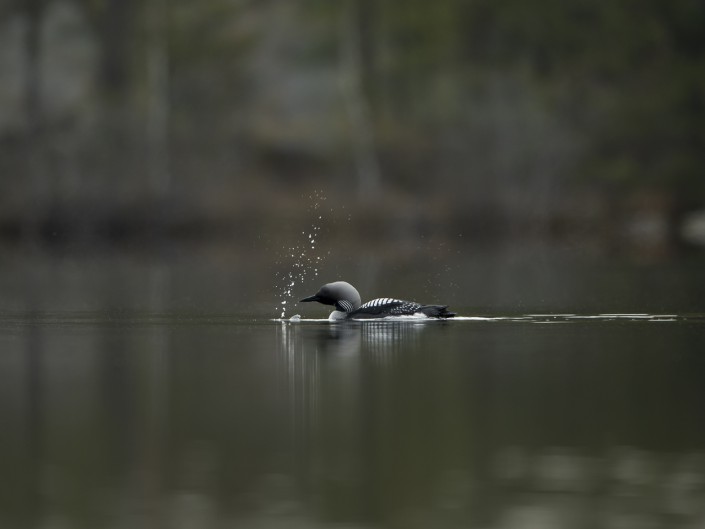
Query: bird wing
(387, 307)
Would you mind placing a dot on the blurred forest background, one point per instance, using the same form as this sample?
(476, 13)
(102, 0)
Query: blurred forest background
(122, 119)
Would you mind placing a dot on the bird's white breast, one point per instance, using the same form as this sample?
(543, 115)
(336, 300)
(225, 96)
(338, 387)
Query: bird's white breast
(337, 315)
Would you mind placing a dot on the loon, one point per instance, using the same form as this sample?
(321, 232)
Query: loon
(348, 305)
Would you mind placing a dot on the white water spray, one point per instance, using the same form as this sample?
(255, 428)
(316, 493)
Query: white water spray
(301, 258)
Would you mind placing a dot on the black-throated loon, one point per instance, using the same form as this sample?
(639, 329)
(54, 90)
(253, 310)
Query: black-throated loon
(346, 300)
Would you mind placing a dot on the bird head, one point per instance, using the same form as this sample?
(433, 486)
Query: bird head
(340, 294)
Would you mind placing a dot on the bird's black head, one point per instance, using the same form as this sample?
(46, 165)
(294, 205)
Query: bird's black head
(322, 296)
(340, 294)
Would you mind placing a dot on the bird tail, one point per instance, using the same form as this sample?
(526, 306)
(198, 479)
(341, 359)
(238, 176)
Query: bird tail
(436, 311)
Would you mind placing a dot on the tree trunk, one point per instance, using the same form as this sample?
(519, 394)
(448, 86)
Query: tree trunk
(158, 111)
(114, 71)
(356, 103)
(35, 141)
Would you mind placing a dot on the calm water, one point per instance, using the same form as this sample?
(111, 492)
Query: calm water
(158, 391)
(195, 421)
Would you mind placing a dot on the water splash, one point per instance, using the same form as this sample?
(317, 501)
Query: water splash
(301, 259)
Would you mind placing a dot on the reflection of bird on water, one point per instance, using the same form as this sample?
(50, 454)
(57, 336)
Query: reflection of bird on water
(348, 305)
(378, 341)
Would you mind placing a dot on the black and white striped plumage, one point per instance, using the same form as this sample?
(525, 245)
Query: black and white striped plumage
(389, 307)
(346, 300)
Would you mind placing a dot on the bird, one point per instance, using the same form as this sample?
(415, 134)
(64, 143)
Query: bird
(348, 304)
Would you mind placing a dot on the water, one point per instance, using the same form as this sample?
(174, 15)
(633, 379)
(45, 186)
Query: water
(157, 389)
(163, 419)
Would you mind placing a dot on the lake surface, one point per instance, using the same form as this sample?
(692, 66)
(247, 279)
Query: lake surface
(165, 419)
(155, 389)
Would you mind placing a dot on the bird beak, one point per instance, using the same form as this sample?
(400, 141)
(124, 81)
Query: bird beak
(310, 298)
